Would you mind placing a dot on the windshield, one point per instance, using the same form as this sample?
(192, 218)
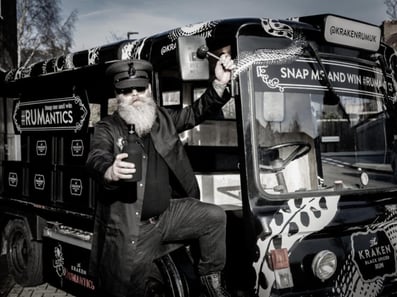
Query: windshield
(302, 143)
(307, 138)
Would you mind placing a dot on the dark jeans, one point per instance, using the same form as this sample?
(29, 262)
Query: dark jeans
(185, 219)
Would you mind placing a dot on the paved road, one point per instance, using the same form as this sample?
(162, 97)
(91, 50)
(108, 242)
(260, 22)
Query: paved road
(8, 288)
(44, 290)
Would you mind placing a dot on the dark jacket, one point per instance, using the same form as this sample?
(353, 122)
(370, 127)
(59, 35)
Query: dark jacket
(118, 212)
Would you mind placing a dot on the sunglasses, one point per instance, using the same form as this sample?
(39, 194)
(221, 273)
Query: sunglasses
(129, 90)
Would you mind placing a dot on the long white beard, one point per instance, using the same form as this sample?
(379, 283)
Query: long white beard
(141, 115)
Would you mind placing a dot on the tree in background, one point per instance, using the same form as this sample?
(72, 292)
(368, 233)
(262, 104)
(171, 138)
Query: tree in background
(391, 8)
(41, 32)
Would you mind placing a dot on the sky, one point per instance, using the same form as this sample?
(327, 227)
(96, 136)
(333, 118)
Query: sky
(104, 21)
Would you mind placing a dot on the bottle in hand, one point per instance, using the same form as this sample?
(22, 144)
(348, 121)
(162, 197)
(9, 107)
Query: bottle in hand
(134, 150)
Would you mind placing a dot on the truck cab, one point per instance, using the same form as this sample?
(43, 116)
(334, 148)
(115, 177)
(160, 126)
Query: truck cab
(300, 158)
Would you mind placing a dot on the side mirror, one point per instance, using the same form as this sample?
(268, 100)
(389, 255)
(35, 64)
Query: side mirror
(192, 67)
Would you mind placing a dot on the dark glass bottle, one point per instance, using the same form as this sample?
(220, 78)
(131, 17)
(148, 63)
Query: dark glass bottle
(134, 150)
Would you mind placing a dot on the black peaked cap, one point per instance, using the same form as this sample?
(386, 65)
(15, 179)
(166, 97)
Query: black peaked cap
(130, 73)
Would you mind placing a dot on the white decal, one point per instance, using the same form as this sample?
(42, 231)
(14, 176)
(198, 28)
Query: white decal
(351, 33)
(50, 114)
(272, 83)
(132, 49)
(201, 29)
(168, 48)
(290, 225)
(269, 56)
(76, 186)
(59, 261)
(276, 28)
(39, 182)
(77, 147)
(69, 61)
(13, 179)
(41, 147)
(93, 55)
(372, 259)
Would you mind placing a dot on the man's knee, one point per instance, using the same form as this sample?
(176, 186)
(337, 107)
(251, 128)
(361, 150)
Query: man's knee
(216, 214)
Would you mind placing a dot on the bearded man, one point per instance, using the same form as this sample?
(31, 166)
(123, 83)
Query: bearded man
(135, 222)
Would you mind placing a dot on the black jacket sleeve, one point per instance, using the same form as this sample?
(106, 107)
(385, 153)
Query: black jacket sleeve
(102, 149)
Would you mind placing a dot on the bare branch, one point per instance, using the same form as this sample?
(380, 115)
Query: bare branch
(41, 31)
(391, 8)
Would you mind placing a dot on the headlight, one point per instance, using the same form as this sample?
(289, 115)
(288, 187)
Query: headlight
(324, 264)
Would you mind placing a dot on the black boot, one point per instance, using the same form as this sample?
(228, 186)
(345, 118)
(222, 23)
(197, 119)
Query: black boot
(154, 288)
(212, 285)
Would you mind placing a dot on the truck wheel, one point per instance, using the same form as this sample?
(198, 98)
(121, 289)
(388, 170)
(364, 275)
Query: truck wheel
(178, 274)
(24, 255)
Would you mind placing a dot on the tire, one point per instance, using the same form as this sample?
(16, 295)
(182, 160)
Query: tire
(393, 167)
(178, 274)
(24, 255)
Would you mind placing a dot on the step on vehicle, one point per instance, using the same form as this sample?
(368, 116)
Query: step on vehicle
(301, 158)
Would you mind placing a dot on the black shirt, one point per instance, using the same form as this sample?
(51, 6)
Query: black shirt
(157, 190)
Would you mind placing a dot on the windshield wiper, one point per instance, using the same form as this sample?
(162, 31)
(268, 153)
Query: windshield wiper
(334, 97)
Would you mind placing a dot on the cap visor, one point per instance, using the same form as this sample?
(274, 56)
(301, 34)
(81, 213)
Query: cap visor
(131, 83)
